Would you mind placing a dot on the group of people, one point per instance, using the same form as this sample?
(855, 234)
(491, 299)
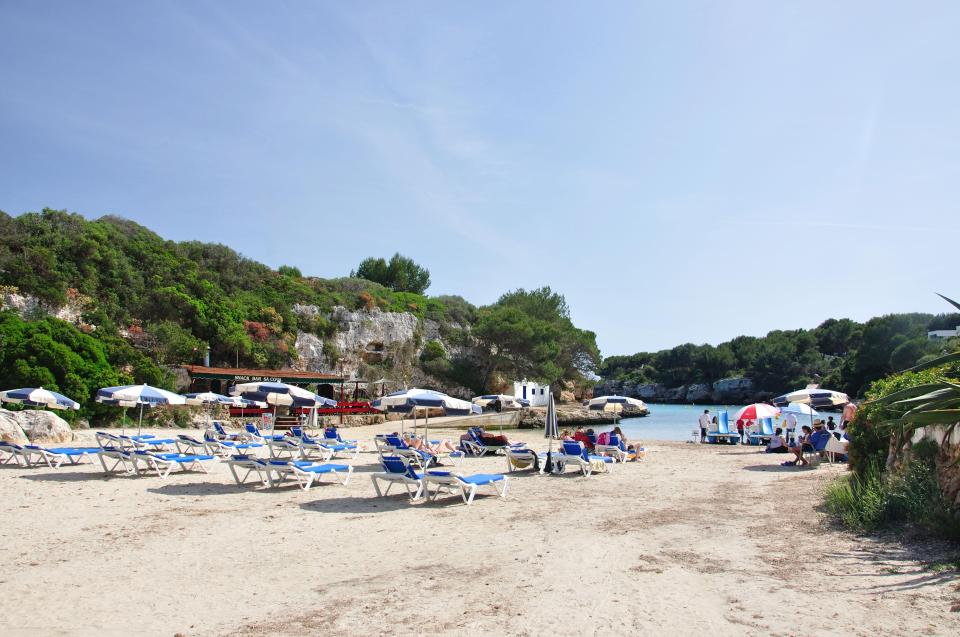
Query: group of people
(591, 439)
(811, 439)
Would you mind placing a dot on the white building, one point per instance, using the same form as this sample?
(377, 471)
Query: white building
(938, 335)
(536, 393)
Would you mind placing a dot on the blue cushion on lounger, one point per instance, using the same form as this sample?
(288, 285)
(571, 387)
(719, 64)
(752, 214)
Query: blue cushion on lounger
(326, 468)
(481, 478)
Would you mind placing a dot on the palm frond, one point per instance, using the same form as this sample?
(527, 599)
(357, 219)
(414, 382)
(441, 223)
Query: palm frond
(937, 362)
(950, 301)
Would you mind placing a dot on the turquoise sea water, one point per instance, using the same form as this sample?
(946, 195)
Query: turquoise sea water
(669, 422)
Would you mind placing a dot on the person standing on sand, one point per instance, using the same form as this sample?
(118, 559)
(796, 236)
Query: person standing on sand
(704, 424)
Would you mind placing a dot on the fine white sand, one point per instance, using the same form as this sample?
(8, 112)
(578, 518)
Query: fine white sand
(694, 540)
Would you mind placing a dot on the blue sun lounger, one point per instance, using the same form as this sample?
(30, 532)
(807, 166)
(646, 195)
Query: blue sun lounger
(120, 458)
(306, 472)
(398, 470)
(465, 486)
(56, 456)
(16, 454)
(398, 446)
(475, 446)
(224, 435)
(253, 432)
(574, 453)
(164, 463)
(326, 448)
(615, 448)
(228, 447)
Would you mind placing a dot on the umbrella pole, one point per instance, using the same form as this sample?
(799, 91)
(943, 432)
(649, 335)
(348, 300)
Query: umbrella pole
(140, 422)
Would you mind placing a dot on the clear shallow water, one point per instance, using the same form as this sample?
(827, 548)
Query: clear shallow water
(669, 422)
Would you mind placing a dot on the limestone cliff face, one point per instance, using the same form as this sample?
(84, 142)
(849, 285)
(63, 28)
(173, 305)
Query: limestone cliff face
(373, 343)
(29, 307)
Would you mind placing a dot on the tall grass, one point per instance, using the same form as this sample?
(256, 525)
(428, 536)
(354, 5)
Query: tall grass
(871, 500)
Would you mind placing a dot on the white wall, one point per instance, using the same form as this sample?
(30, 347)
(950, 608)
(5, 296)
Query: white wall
(536, 393)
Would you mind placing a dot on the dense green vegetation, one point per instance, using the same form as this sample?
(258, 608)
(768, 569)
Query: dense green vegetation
(893, 479)
(401, 274)
(840, 354)
(147, 301)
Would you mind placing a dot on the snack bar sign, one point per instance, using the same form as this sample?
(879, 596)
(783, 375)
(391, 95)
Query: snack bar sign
(257, 379)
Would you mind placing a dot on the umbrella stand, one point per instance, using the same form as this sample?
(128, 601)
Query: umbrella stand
(140, 422)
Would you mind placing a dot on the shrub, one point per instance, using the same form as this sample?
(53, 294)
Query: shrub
(432, 351)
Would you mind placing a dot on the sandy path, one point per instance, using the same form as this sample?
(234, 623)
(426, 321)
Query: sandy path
(693, 540)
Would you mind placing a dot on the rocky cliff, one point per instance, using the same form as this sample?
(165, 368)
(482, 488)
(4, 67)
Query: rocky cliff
(727, 390)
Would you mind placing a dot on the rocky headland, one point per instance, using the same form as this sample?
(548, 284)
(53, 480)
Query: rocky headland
(725, 391)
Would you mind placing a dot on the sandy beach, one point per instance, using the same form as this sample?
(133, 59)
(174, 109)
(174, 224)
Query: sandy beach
(693, 540)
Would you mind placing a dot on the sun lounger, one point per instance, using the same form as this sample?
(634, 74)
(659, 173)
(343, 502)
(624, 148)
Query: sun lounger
(307, 474)
(56, 456)
(465, 486)
(834, 448)
(227, 447)
(272, 472)
(222, 433)
(332, 436)
(120, 460)
(16, 454)
(189, 444)
(397, 446)
(615, 448)
(164, 463)
(520, 458)
(722, 433)
(764, 434)
(251, 464)
(284, 448)
(398, 469)
(326, 448)
(475, 445)
(575, 454)
(258, 436)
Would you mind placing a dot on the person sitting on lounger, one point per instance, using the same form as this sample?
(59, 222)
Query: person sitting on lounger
(802, 445)
(566, 435)
(634, 449)
(777, 444)
(581, 436)
(443, 446)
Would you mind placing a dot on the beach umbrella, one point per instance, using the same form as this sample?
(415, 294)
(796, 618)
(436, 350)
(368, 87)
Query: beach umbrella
(801, 409)
(500, 402)
(138, 395)
(757, 411)
(815, 397)
(550, 431)
(412, 400)
(614, 404)
(280, 395)
(244, 403)
(206, 399)
(38, 397)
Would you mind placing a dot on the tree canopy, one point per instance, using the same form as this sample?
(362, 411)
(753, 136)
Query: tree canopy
(400, 274)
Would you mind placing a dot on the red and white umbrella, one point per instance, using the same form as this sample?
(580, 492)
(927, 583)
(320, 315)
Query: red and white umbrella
(757, 411)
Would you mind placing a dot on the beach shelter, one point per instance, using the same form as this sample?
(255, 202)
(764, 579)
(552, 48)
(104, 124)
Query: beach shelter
(38, 397)
(138, 396)
(412, 400)
(551, 431)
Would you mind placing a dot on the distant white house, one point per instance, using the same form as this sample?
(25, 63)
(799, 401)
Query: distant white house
(536, 393)
(938, 335)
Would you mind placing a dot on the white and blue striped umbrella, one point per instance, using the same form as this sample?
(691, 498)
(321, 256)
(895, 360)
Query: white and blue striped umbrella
(239, 401)
(281, 394)
(208, 398)
(813, 396)
(615, 403)
(411, 401)
(138, 396)
(38, 397)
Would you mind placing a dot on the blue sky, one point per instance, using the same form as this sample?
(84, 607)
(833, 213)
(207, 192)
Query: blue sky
(685, 171)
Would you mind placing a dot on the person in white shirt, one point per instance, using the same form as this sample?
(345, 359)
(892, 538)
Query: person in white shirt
(777, 444)
(791, 423)
(704, 424)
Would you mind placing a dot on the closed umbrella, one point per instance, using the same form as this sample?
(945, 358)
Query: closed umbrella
(138, 395)
(38, 397)
(550, 431)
